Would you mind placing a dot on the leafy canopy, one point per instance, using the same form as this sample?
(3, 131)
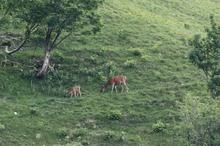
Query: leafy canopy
(59, 15)
(205, 54)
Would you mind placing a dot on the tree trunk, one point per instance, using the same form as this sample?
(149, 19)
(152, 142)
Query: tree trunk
(44, 68)
(212, 89)
(47, 49)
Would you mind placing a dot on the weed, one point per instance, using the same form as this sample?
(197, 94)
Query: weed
(114, 115)
(123, 35)
(145, 58)
(62, 132)
(111, 68)
(137, 52)
(33, 111)
(79, 132)
(2, 127)
(114, 136)
(130, 63)
(159, 127)
(70, 144)
(187, 26)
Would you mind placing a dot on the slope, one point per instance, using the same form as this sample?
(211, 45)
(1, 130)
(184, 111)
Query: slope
(144, 40)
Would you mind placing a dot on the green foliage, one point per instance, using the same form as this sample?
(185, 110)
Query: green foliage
(200, 120)
(123, 36)
(70, 144)
(159, 126)
(114, 136)
(54, 14)
(2, 127)
(79, 132)
(34, 111)
(62, 132)
(137, 51)
(111, 68)
(214, 83)
(187, 26)
(130, 63)
(70, 134)
(152, 33)
(114, 115)
(50, 22)
(205, 54)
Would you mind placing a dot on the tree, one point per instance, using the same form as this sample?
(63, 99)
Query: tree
(205, 54)
(49, 22)
(200, 120)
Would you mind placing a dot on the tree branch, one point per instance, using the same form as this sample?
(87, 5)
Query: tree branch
(27, 35)
(55, 45)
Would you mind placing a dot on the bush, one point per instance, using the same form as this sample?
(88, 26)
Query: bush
(2, 127)
(70, 144)
(33, 111)
(186, 25)
(137, 52)
(79, 132)
(145, 58)
(158, 127)
(200, 120)
(114, 136)
(62, 132)
(114, 115)
(130, 63)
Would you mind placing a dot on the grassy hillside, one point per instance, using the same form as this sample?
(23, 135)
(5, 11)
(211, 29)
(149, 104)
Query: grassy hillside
(144, 40)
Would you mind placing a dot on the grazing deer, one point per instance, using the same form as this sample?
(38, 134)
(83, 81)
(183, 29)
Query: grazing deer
(117, 80)
(75, 91)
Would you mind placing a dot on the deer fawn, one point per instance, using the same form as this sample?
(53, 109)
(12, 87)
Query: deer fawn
(75, 91)
(117, 80)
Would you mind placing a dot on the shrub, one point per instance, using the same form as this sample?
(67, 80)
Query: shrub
(186, 25)
(62, 132)
(70, 144)
(79, 132)
(200, 120)
(114, 115)
(137, 52)
(130, 63)
(33, 111)
(114, 136)
(145, 58)
(158, 127)
(2, 127)
(123, 36)
(111, 68)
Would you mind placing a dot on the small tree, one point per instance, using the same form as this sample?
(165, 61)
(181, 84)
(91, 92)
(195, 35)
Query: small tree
(205, 54)
(49, 22)
(200, 120)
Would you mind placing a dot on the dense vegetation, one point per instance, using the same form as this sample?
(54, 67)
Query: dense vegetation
(145, 40)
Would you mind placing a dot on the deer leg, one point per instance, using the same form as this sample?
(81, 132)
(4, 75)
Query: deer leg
(113, 86)
(122, 88)
(116, 91)
(126, 86)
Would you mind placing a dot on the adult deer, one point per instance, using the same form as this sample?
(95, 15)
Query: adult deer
(75, 91)
(117, 80)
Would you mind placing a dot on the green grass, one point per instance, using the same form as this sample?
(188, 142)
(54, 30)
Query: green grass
(144, 40)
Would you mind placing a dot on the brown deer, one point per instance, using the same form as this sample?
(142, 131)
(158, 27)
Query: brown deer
(75, 91)
(117, 80)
